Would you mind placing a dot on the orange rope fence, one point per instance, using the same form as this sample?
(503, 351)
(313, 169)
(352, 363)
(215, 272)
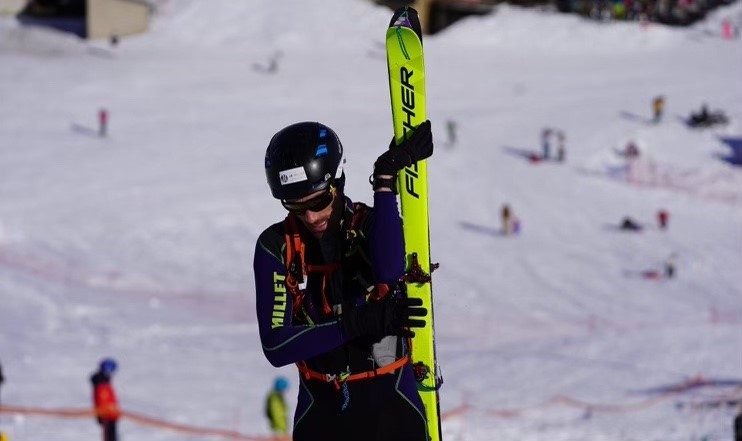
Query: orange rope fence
(37, 411)
(142, 420)
(145, 420)
(463, 409)
(567, 401)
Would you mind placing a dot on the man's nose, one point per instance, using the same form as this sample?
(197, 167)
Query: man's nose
(311, 216)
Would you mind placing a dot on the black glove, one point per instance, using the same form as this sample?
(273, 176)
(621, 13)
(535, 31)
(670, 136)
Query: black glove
(388, 317)
(418, 146)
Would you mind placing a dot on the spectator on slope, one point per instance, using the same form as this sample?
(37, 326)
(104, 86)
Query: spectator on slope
(106, 405)
(2, 380)
(561, 138)
(705, 118)
(629, 224)
(275, 407)
(102, 123)
(738, 425)
(631, 151)
(703, 115)
(670, 266)
(327, 289)
(506, 219)
(451, 127)
(630, 9)
(546, 142)
(662, 219)
(658, 108)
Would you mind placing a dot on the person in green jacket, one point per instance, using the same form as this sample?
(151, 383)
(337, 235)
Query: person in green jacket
(275, 407)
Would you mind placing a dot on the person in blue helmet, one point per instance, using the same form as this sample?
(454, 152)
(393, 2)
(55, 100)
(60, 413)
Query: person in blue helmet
(107, 411)
(275, 407)
(329, 296)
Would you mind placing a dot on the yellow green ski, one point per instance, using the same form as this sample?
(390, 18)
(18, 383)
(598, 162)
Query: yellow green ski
(407, 89)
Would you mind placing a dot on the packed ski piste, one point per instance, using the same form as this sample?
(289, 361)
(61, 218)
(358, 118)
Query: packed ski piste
(584, 196)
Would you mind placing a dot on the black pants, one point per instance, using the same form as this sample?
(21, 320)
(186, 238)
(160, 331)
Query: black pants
(109, 430)
(379, 409)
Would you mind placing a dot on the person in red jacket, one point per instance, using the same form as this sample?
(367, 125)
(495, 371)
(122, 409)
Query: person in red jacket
(106, 405)
(662, 218)
(102, 123)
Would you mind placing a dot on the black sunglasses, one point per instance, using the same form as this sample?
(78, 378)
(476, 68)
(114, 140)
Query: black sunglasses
(315, 204)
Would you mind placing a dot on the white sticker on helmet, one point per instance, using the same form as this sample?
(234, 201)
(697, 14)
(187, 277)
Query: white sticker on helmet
(292, 175)
(339, 171)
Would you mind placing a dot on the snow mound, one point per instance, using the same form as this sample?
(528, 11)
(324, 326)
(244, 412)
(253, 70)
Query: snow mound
(251, 23)
(557, 32)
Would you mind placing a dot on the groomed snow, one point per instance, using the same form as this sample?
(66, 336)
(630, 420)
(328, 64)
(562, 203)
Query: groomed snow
(140, 245)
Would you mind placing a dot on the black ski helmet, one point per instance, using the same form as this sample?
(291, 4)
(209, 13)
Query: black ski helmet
(303, 158)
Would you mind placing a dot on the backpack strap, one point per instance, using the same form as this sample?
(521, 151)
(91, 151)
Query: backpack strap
(298, 269)
(295, 266)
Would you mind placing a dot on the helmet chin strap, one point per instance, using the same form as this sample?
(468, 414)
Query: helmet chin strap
(340, 183)
(336, 216)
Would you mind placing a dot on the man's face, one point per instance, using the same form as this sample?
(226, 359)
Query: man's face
(315, 221)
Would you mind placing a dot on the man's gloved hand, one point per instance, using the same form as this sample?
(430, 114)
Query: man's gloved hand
(416, 147)
(388, 317)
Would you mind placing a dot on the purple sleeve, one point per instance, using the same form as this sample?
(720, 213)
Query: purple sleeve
(385, 239)
(284, 342)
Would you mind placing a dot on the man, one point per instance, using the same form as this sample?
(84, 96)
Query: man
(102, 123)
(451, 130)
(658, 107)
(2, 380)
(275, 407)
(561, 139)
(106, 405)
(505, 220)
(662, 218)
(546, 142)
(329, 295)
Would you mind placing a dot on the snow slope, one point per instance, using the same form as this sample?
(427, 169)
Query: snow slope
(140, 245)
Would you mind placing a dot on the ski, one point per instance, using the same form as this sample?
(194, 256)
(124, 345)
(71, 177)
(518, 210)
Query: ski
(407, 90)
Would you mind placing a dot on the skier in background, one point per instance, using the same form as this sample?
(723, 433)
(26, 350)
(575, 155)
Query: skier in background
(658, 107)
(106, 405)
(631, 151)
(328, 296)
(629, 224)
(451, 131)
(546, 142)
(2, 380)
(275, 407)
(505, 219)
(670, 266)
(728, 30)
(102, 123)
(662, 218)
(561, 138)
(738, 426)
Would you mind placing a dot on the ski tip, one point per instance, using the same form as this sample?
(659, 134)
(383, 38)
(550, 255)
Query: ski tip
(406, 17)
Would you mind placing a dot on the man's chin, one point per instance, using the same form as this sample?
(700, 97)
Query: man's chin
(319, 230)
